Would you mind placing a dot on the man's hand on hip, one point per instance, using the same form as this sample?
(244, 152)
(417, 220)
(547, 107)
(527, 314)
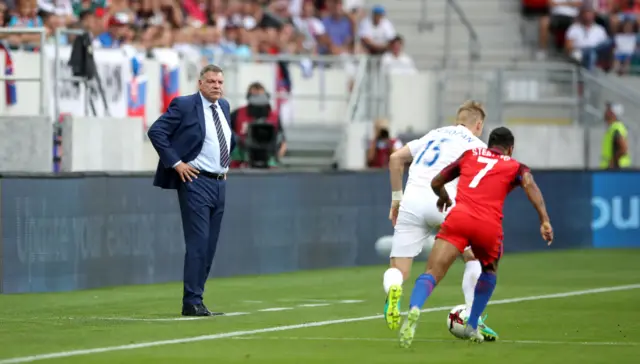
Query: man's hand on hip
(186, 172)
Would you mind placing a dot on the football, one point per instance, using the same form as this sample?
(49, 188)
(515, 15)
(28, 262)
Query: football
(455, 321)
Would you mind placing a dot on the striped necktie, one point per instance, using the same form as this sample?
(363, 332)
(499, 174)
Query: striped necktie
(224, 151)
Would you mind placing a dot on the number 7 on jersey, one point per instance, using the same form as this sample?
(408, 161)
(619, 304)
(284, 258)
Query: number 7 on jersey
(489, 164)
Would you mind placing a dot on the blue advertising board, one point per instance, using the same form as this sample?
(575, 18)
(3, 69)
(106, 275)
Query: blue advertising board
(60, 233)
(615, 201)
(567, 197)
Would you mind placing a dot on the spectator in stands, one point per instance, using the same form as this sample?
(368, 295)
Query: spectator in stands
(396, 60)
(625, 46)
(4, 17)
(256, 17)
(92, 5)
(376, 31)
(195, 12)
(603, 10)
(234, 41)
(586, 40)
(562, 13)
(354, 6)
(625, 11)
(52, 22)
(193, 43)
(25, 17)
(312, 28)
(339, 29)
(62, 9)
(381, 146)
(116, 28)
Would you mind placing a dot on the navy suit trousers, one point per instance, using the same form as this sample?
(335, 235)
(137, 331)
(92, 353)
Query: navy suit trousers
(201, 207)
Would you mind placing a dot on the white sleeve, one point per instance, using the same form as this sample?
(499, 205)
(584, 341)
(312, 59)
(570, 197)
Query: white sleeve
(389, 29)
(572, 33)
(319, 27)
(365, 29)
(603, 35)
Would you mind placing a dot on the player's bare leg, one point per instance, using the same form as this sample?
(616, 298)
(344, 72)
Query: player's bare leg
(399, 271)
(409, 240)
(472, 271)
(484, 289)
(440, 260)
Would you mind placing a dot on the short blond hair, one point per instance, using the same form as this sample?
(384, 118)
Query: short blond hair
(470, 112)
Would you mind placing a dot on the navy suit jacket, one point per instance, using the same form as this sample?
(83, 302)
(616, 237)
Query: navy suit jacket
(178, 135)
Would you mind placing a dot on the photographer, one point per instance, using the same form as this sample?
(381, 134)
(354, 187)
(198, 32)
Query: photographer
(257, 110)
(381, 147)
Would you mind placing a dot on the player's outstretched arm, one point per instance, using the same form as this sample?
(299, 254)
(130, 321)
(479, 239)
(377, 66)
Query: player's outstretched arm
(535, 196)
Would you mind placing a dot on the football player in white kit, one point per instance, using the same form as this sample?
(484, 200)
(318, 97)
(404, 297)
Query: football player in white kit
(414, 214)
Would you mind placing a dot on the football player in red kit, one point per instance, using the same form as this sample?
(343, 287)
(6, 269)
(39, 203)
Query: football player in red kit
(486, 178)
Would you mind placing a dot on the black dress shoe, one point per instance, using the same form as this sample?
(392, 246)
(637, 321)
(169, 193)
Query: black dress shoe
(195, 310)
(212, 313)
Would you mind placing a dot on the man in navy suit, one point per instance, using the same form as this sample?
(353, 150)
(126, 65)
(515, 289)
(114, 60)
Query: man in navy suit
(194, 140)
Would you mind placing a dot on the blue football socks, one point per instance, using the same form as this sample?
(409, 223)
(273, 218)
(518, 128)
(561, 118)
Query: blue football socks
(422, 290)
(484, 289)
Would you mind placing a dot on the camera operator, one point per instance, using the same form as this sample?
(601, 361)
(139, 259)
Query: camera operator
(381, 147)
(257, 110)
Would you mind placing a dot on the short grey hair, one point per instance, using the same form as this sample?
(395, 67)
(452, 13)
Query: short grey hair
(210, 68)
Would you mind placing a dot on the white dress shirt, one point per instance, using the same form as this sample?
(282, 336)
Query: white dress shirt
(209, 158)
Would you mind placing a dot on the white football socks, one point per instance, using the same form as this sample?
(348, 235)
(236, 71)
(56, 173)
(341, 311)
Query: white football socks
(472, 271)
(392, 276)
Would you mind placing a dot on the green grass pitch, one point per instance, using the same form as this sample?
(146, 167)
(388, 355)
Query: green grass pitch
(602, 327)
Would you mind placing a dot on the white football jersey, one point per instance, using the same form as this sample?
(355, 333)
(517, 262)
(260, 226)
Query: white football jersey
(436, 150)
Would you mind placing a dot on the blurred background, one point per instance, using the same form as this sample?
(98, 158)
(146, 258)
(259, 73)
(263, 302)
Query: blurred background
(321, 92)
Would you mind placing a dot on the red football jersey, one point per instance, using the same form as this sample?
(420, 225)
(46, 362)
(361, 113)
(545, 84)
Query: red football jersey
(486, 178)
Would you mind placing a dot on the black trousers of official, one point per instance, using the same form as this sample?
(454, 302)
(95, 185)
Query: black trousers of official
(202, 208)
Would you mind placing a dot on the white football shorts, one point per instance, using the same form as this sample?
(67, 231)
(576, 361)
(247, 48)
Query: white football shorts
(416, 227)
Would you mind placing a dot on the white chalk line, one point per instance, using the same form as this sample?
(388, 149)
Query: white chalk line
(315, 300)
(374, 339)
(233, 334)
(230, 314)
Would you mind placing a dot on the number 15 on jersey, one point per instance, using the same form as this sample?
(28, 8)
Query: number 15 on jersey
(432, 146)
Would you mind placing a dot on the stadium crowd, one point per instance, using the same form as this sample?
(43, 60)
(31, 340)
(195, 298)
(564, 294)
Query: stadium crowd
(595, 33)
(210, 28)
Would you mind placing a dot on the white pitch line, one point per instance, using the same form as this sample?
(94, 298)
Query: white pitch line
(165, 319)
(303, 300)
(530, 342)
(314, 305)
(107, 349)
(275, 309)
(351, 301)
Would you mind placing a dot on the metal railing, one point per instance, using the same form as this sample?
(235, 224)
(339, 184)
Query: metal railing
(355, 111)
(597, 89)
(474, 41)
(365, 101)
(57, 77)
(548, 93)
(43, 39)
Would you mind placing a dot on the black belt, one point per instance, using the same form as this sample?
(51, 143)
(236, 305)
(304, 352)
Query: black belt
(218, 176)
